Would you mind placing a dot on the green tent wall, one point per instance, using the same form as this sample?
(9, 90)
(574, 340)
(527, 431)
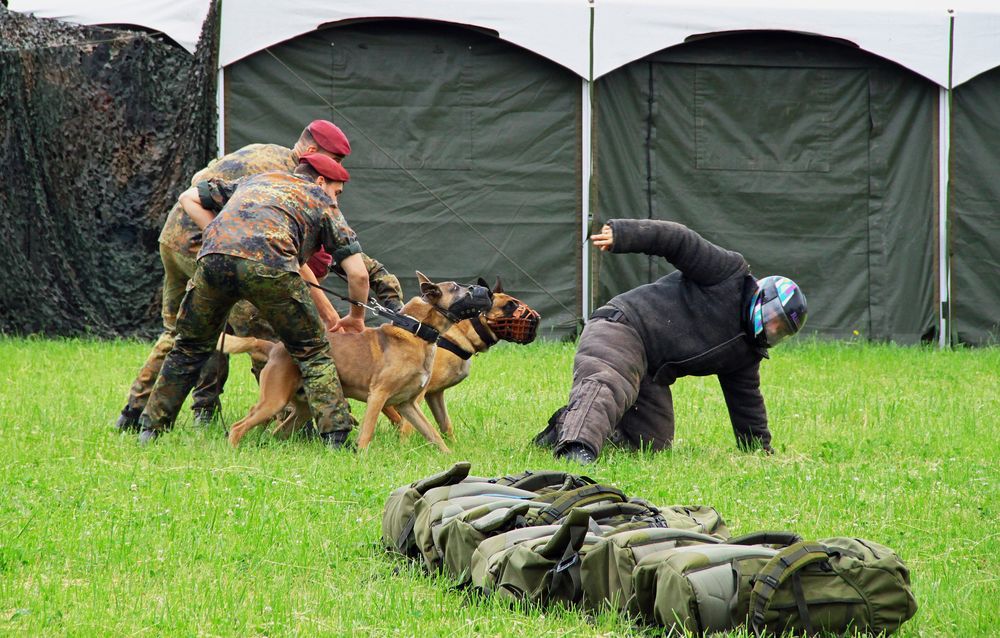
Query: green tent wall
(436, 113)
(813, 159)
(974, 209)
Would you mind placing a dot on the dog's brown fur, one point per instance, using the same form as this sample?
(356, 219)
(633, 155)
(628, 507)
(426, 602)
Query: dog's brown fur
(449, 369)
(384, 366)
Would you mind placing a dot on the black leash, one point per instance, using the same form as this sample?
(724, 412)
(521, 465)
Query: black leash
(406, 322)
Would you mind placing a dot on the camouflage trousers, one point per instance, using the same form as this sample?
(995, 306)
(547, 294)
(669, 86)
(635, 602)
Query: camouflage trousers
(177, 271)
(613, 398)
(283, 301)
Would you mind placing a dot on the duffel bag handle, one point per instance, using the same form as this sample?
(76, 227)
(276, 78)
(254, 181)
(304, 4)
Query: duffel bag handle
(766, 538)
(785, 565)
(455, 474)
(534, 481)
(607, 510)
(562, 502)
(507, 520)
(564, 547)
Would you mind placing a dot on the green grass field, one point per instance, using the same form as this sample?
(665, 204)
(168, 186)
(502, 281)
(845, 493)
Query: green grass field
(99, 537)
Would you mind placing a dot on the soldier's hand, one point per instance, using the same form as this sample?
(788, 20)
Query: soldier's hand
(350, 323)
(604, 239)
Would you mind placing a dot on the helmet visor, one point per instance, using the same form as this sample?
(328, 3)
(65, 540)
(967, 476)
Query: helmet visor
(775, 322)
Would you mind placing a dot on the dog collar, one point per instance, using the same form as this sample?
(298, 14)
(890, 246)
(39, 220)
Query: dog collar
(447, 344)
(483, 332)
(417, 328)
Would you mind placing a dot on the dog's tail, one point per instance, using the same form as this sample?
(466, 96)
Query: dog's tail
(258, 349)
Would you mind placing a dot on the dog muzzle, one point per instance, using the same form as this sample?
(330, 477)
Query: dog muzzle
(479, 299)
(520, 327)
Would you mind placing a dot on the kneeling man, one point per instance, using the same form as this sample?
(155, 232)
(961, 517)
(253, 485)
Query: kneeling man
(710, 316)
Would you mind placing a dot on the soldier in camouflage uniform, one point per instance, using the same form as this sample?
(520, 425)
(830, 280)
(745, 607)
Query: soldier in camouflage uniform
(268, 225)
(245, 320)
(180, 241)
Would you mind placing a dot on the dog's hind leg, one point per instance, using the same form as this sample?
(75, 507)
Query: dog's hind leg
(440, 412)
(419, 421)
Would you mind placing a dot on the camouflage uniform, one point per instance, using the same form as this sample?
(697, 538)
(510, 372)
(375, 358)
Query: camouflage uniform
(180, 241)
(268, 225)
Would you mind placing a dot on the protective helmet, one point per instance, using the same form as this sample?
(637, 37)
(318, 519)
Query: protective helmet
(777, 310)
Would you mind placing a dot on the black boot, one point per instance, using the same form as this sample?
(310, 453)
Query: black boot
(204, 417)
(550, 435)
(337, 440)
(146, 432)
(578, 452)
(128, 421)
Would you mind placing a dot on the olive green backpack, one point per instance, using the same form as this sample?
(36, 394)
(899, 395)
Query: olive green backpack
(460, 535)
(832, 585)
(775, 583)
(606, 570)
(697, 587)
(399, 514)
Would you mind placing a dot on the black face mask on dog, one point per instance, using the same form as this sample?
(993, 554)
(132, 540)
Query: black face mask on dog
(478, 299)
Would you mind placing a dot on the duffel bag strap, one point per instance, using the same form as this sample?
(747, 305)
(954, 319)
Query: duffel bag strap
(562, 502)
(455, 474)
(766, 538)
(607, 510)
(785, 565)
(565, 546)
(501, 520)
(534, 481)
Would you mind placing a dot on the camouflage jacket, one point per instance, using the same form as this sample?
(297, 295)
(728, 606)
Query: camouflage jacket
(179, 231)
(278, 219)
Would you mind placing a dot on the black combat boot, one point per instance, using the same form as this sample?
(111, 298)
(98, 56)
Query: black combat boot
(146, 432)
(204, 417)
(578, 452)
(128, 421)
(337, 440)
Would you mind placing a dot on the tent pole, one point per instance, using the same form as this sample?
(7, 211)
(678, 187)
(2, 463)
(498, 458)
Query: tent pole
(944, 274)
(220, 104)
(944, 176)
(586, 170)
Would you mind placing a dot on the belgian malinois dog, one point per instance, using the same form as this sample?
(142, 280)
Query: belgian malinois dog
(383, 366)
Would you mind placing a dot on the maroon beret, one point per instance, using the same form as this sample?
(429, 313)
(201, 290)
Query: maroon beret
(329, 137)
(320, 262)
(326, 166)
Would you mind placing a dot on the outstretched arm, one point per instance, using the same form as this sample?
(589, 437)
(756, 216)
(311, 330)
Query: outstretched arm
(699, 259)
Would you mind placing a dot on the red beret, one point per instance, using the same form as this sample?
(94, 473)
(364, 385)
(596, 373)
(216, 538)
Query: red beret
(329, 137)
(326, 166)
(320, 262)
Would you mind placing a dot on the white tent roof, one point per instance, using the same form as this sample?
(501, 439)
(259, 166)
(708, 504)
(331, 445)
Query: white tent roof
(555, 29)
(913, 33)
(181, 20)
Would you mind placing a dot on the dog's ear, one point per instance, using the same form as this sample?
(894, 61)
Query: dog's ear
(482, 282)
(428, 289)
(498, 286)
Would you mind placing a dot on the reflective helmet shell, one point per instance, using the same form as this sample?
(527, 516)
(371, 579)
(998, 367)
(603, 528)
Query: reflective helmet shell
(777, 310)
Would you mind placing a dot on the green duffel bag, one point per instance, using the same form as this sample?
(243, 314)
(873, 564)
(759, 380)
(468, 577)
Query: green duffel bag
(440, 504)
(606, 570)
(545, 569)
(696, 518)
(483, 565)
(833, 585)
(399, 514)
(697, 588)
(458, 535)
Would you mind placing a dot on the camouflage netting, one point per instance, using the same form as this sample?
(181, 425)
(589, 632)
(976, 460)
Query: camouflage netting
(100, 129)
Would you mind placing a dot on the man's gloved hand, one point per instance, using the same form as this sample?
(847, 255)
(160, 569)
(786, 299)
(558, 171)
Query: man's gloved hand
(576, 451)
